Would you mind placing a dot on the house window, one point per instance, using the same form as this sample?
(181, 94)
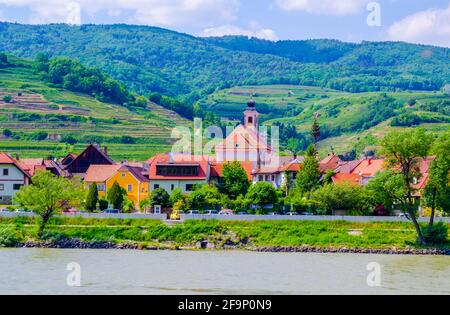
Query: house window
(260, 178)
(17, 186)
(156, 186)
(2, 187)
(5, 172)
(101, 187)
(130, 188)
(172, 187)
(123, 174)
(250, 120)
(273, 178)
(189, 187)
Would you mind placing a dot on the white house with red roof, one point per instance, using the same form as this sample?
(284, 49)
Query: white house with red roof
(12, 177)
(171, 171)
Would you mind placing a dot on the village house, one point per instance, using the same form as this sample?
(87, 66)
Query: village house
(130, 178)
(282, 175)
(32, 165)
(12, 177)
(77, 165)
(171, 171)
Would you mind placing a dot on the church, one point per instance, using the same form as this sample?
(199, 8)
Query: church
(246, 143)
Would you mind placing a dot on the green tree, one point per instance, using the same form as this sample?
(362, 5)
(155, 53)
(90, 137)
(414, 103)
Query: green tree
(403, 151)
(236, 180)
(116, 196)
(160, 197)
(103, 204)
(48, 195)
(205, 197)
(3, 59)
(262, 194)
(128, 205)
(308, 178)
(7, 98)
(92, 198)
(176, 196)
(388, 189)
(345, 197)
(437, 191)
(7, 133)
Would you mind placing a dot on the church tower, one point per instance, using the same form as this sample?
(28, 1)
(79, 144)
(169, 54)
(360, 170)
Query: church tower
(251, 116)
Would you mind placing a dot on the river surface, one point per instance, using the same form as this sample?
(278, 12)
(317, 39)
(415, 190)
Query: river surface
(44, 271)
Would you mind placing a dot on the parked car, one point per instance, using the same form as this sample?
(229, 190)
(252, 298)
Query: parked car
(404, 216)
(242, 213)
(308, 213)
(226, 212)
(193, 212)
(211, 212)
(112, 211)
(20, 211)
(292, 213)
(4, 210)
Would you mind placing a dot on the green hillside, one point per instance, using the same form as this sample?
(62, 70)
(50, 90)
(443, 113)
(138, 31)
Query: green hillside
(149, 59)
(345, 118)
(39, 119)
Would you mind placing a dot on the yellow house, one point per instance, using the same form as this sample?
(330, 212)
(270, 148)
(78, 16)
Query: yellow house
(130, 178)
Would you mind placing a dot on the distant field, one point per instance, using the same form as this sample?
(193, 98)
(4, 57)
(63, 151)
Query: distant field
(345, 118)
(37, 106)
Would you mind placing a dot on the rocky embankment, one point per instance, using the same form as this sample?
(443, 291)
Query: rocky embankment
(78, 244)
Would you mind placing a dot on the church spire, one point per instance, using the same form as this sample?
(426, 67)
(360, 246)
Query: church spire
(251, 115)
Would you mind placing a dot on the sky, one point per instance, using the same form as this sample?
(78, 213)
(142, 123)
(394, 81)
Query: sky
(416, 21)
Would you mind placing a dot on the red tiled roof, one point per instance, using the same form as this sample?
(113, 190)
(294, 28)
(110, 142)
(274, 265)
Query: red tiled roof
(179, 160)
(100, 173)
(347, 166)
(342, 178)
(331, 162)
(6, 159)
(369, 168)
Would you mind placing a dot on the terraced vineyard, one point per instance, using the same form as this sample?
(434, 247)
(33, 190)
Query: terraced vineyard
(345, 118)
(36, 106)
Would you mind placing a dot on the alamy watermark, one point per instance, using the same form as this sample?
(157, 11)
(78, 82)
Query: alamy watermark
(374, 277)
(374, 17)
(73, 279)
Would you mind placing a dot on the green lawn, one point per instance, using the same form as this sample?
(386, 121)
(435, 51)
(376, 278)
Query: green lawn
(323, 234)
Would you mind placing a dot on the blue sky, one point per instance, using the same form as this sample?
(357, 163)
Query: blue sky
(417, 21)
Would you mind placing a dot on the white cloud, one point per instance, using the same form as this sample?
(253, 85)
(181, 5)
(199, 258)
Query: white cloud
(431, 27)
(327, 7)
(223, 30)
(151, 12)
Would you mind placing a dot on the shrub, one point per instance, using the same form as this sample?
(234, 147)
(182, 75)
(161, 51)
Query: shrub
(103, 204)
(437, 234)
(9, 237)
(7, 98)
(7, 133)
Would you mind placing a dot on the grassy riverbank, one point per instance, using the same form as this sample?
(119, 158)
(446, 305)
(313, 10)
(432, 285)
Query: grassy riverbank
(214, 234)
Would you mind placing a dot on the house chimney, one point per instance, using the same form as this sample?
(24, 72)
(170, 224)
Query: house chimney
(105, 150)
(17, 157)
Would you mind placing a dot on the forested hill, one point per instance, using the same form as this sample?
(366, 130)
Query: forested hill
(153, 59)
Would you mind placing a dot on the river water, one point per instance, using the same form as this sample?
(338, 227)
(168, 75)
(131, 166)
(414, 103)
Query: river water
(44, 271)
